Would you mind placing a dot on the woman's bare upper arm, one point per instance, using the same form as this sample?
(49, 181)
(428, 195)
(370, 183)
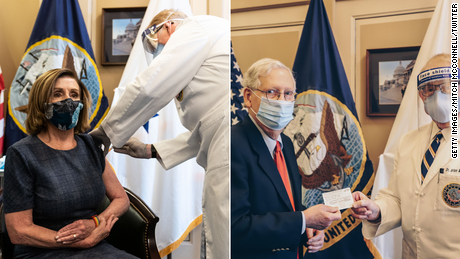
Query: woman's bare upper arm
(112, 185)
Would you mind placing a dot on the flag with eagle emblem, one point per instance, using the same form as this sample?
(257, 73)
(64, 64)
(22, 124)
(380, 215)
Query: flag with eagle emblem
(327, 136)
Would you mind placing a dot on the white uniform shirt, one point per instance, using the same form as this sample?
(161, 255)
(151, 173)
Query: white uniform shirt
(193, 69)
(429, 222)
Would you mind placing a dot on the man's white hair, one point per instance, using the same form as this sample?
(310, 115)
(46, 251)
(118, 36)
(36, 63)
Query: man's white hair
(439, 60)
(262, 68)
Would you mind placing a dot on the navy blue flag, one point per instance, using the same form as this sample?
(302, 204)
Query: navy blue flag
(327, 135)
(59, 25)
(236, 93)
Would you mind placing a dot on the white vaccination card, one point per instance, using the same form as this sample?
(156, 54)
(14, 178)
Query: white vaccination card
(340, 198)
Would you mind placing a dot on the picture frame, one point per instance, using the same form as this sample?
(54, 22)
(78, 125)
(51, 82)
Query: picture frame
(120, 27)
(387, 74)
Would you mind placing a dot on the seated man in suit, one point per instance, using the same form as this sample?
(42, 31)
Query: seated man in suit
(423, 194)
(267, 217)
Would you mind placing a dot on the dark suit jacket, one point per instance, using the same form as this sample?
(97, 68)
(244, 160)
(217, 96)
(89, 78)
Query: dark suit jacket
(264, 224)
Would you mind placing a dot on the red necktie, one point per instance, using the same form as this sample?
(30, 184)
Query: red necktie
(281, 165)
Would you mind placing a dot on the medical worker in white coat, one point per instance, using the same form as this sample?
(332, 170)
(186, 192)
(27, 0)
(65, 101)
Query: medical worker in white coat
(427, 207)
(190, 65)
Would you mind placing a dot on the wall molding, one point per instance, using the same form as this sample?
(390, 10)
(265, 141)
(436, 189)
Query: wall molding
(273, 6)
(355, 19)
(266, 26)
(267, 7)
(390, 14)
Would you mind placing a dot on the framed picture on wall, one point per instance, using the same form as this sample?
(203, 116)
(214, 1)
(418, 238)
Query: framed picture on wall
(387, 75)
(120, 27)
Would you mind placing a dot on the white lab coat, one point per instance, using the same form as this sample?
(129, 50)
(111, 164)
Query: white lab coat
(192, 69)
(430, 226)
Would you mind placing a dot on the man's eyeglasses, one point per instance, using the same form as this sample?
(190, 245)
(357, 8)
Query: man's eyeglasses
(275, 95)
(429, 89)
(158, 28)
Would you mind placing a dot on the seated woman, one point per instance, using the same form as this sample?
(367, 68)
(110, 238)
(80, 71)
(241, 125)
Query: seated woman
(55, 179)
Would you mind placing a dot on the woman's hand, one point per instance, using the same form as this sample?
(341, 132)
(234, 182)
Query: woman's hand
(102, 231)
(75, 231)
(99, 233)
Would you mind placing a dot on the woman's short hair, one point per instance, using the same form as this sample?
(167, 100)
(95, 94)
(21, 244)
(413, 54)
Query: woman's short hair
(40, 94)
(262, 68)
(167, 14)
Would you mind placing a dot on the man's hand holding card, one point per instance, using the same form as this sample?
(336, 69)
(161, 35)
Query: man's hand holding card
(365, 208)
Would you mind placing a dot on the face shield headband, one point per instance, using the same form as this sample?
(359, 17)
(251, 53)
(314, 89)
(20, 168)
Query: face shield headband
(433, 74)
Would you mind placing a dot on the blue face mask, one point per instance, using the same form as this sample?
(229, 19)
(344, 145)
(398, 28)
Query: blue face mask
(64, 114)
(152, 56)
(158, 51)
(437, 106)
(275, 114)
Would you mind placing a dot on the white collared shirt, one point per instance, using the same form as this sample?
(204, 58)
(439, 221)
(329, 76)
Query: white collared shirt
(271, 143)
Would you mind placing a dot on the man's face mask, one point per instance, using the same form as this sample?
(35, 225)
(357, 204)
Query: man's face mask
(438, 106)
(63, 114)
(434, 85)
(275, 114)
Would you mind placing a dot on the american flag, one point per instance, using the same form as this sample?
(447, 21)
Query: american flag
(236, 92)
(2, 120)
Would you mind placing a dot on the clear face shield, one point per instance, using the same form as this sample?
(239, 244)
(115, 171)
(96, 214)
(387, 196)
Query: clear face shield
(434, 86)
(152, 47)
